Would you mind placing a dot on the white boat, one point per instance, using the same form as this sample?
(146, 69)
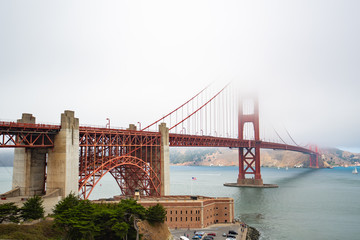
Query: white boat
(355, 171)
(287, 168)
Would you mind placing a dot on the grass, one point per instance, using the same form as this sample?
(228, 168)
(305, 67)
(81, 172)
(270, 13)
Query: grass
(39, 231)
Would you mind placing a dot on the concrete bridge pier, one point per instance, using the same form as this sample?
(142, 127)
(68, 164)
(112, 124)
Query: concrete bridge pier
(165, 159)
(29, 167)
(63, 159)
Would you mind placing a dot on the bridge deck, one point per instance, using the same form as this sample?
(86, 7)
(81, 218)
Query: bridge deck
(14, 134)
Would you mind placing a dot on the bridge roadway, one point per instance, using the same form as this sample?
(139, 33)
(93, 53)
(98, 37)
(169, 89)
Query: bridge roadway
(30, 135)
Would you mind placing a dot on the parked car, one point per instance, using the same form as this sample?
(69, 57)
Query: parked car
(224, 235)
(200, 233)
(231, 236)
(196, 237)
(233, 232)
(212, 234)
(208, 238)
(183, 238)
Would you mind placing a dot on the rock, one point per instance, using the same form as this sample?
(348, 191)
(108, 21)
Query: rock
(151, 232)
(252, 233)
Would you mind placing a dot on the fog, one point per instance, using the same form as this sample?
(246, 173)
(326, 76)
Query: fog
(134, 61)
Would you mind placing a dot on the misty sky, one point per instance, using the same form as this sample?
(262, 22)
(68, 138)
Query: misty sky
(135, 61)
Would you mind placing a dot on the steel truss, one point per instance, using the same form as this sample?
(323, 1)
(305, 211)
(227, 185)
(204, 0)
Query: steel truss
(131, 157)
(28, 135)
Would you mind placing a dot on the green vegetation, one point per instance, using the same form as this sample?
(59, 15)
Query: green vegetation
(156, 214)
(79, 219)
(40, 231)
(32, 209)
(9, 213)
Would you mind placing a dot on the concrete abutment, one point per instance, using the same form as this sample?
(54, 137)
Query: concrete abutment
(37, 170)
(29, 166)
(63, 159)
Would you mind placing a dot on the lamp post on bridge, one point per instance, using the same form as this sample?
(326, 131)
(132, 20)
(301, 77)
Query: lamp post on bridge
(108, 123)
(139, 125)
(183, 130)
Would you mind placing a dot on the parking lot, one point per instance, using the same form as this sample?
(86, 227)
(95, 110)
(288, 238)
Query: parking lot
(218, 229)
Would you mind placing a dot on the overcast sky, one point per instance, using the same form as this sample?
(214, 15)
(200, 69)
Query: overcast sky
(135, 61)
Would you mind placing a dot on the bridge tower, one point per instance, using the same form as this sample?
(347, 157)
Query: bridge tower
(249, 156)
(314, 158)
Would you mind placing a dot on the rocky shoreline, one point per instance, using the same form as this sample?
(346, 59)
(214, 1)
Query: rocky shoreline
(252, 233)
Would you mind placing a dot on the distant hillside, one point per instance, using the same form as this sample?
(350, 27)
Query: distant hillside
(337, 157)
(269, 158)
(194, 156)
(6, 158)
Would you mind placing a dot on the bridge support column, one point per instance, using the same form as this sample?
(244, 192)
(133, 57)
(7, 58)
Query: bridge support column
(29, 166)
(63, 159)
(314, 158)
(249, 163)
(249, 156)
(314, 161)
(165, 159)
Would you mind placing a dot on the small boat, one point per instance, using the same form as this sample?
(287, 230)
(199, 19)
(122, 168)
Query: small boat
(287, 168)
(355, 171)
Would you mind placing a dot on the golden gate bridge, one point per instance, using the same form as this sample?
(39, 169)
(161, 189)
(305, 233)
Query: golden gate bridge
(138, 158)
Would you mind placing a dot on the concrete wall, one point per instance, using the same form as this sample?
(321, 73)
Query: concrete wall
(165, 160)
(63, 159)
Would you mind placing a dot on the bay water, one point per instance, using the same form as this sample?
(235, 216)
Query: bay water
(309, 203)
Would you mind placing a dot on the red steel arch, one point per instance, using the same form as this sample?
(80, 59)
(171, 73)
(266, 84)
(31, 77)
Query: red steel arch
(130, 172)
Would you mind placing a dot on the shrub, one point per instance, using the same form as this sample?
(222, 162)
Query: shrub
(110, 222)
(156, 214)
(32, 209)
(9, 212)
(68, 202)
(77, 221)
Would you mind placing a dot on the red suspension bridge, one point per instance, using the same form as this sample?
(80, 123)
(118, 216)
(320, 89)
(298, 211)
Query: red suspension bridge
(138, 158)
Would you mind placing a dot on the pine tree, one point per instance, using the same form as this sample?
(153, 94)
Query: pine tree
(32, 209)
(156, 214)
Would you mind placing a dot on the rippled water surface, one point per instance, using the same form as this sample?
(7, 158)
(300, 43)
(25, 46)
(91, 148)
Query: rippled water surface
(309, 204)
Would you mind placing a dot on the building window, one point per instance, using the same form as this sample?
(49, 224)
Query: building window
(190, 218)
(225, 207)
(225, 214)
(176, 211)
(170, 219)
(170, 212)
(186, 211)
(191, 212)
(176, 219)
(186, 219)
(181, 219)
